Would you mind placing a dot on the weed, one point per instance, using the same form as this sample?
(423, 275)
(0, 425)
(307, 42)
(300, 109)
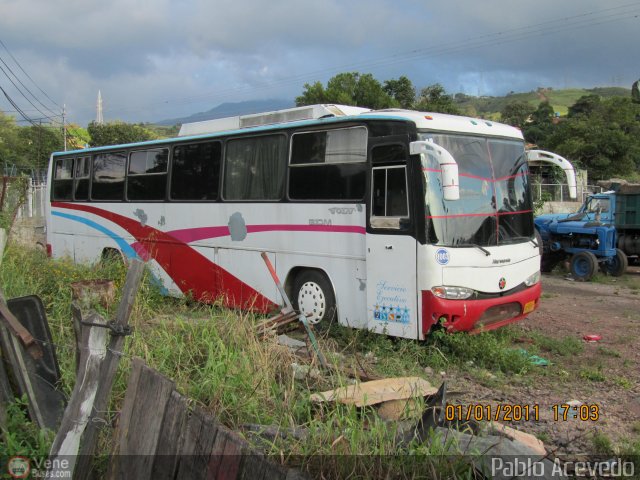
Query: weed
(593, 375)
(635, 427)
(490, 350)
(566, 346)
(602, 443)
(609, 352)
(543, 437)
(546, 295)
(624, 382)
(22, 437)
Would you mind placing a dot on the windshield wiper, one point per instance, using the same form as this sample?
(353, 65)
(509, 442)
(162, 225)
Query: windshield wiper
(484, 250)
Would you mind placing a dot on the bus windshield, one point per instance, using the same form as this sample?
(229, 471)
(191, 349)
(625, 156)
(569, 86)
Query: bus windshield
(495, 200)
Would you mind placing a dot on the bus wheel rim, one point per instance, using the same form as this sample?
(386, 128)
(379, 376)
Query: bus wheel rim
(311, 300)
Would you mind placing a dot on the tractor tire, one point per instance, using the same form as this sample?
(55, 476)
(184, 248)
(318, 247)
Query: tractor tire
(617, 265)
(583, 266)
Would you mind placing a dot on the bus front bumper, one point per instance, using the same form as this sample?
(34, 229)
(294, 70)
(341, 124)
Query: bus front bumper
(475, 316)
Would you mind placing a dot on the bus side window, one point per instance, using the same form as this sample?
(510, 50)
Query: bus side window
(254, 168)
(81, 180)
(328, 165)
(195, 171)
(147, 177)
(63, 179)
(108, 176)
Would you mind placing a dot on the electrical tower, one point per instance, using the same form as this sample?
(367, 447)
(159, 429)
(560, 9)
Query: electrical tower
(99, 118)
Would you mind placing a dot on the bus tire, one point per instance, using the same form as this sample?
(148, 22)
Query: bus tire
(583, 266)
(313, 297)
(110, 256)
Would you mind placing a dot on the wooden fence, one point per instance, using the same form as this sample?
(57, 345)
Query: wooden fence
(159, 436)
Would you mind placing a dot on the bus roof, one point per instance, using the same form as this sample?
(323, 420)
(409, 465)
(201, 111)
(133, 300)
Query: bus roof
(423, 120)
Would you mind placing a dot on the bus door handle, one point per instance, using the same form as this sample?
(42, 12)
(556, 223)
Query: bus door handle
(388, 247)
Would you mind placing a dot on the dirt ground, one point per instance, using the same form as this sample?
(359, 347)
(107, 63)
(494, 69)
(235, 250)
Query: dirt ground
(606, 373)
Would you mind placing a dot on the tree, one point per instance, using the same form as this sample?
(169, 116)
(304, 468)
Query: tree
(402, 91)
(585, 105)
(115, 133)
(77, 137)
(517, 113)
(37, 143)
(604, 138)
(349, 88)
(541, 125)
(435, 99)
(8, 140)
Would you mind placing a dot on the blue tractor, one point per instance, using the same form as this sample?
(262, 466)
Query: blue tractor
(583, 239)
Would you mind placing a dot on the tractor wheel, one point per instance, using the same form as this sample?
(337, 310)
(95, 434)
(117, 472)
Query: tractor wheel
(550, 260)
(616, 265)
(583, 266)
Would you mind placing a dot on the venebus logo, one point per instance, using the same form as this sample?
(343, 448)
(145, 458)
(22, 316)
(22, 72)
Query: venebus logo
(18, 467)
(442, 256)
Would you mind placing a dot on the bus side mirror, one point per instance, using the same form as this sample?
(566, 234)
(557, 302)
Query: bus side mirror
(448, 166)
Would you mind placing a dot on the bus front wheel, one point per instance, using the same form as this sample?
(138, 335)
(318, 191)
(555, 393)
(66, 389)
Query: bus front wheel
(313, 297)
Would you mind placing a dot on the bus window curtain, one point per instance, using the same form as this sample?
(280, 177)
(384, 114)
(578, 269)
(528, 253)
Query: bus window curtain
(255, 168)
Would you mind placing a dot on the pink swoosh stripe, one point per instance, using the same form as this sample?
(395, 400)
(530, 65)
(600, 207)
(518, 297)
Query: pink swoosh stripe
(189, 235)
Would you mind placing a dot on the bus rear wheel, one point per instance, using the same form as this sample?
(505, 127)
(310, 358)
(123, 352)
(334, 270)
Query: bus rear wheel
(313, 297)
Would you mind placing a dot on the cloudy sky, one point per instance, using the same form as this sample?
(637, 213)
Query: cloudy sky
(168, 58)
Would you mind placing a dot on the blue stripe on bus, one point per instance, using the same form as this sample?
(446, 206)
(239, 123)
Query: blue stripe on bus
(124, 246)
(122, 243)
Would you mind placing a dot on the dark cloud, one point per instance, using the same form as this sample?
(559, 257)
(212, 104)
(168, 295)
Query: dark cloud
(173, 57)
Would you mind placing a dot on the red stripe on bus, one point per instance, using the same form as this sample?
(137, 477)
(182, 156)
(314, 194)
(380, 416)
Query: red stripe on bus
(191, 271)
(492, 214)
(476, 177)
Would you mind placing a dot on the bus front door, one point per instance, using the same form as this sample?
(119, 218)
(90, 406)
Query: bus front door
(391, 255)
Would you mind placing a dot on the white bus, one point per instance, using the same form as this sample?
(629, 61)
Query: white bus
(393, 221)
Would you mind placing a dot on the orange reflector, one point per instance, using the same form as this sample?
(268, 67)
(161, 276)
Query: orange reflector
(428, 117)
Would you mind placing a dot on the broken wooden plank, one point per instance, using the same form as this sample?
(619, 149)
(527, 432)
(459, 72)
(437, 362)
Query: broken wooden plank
(377, 391)
(141, 419)
(231, 456)
(109, 368)
(165, 463)
(67, 442)
(536, 445)
(199, 438)
(401, 409)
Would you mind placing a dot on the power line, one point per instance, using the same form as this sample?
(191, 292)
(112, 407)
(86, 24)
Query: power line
(25, 87)
(15, 105)
(28, 76)
(24, 96)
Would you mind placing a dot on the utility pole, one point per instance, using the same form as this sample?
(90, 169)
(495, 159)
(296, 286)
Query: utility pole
(64, 125)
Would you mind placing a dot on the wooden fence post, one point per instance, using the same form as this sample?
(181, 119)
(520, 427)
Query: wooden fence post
(67, 442)
(108, 370)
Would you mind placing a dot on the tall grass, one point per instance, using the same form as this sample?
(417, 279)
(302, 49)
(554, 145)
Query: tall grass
(216, 360)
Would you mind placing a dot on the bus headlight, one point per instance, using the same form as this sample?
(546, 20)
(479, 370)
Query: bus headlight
(533, 279)
(452, 293)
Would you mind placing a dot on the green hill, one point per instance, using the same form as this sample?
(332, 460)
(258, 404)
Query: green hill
(561, 100)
